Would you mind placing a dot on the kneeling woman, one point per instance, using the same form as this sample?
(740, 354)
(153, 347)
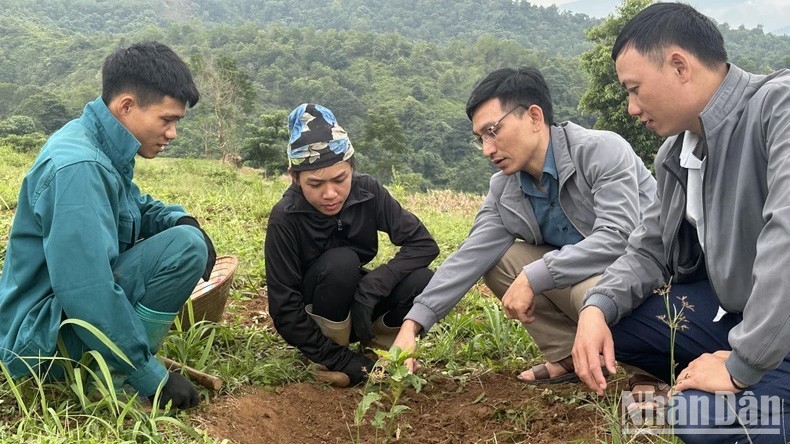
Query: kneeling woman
(320, 236)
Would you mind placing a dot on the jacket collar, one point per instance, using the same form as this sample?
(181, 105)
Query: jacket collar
(299, 204)
(562, 153)
(114, 140)
(727, 98)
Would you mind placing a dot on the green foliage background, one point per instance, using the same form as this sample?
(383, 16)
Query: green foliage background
(396, 73)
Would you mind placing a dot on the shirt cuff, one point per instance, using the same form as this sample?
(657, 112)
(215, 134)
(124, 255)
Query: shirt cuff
(172, 218)
(422, 315)
(147, 379)
(539, 277)
(742, 371)
(605, 304)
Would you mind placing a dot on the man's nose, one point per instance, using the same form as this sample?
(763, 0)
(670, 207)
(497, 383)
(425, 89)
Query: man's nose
(633, 108)
(171, 132)
(489, 148)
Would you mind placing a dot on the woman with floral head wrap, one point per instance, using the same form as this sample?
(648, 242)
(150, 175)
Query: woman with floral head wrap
(321, 234)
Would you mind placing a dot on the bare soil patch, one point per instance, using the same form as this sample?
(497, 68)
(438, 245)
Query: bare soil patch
(252, 312)
(489, 408)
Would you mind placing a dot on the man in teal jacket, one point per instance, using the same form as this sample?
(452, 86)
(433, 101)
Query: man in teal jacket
(86, 245)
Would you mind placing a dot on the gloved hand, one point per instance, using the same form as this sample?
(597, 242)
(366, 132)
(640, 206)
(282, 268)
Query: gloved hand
(179, 390)
(361, 320)
(212, 254)
(358, 368)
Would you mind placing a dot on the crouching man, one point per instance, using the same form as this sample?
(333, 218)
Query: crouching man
(87, 245)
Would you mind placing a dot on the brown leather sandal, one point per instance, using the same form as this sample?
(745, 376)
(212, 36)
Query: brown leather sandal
(648, 405)
(656, 387)
(541, 373)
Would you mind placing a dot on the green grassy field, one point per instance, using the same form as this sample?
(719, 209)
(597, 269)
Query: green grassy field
(233, 206)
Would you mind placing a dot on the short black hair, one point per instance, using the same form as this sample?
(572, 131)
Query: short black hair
(661, 25)
(523, 86)
(149, 70)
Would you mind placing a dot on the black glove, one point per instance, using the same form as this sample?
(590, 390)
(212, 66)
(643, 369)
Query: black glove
(362, 320)
(358, 368)
(179, 390)
(212, 253)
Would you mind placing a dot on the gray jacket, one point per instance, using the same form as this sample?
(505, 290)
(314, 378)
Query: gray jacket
(746, 134)
(604, 187)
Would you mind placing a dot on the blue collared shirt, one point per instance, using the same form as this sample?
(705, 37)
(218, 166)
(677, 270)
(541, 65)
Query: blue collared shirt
(554, 225)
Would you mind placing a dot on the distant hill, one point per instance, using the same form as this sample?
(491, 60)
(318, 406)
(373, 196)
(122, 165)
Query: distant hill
(396, 72)
(545, 29)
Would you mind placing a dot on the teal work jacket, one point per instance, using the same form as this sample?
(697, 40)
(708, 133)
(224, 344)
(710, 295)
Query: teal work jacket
(78, 210)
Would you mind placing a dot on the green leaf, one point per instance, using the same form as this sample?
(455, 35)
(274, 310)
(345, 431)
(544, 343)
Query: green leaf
(101, 336)
(364, 405)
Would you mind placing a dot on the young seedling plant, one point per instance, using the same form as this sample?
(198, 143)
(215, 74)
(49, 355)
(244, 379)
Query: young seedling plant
(384, 390)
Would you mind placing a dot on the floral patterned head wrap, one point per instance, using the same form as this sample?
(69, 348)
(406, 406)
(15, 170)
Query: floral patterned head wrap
(317, 141)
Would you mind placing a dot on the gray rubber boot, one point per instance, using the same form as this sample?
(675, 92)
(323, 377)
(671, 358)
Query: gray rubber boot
(383, 335)
(338, 331)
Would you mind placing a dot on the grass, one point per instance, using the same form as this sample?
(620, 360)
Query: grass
(233, 206)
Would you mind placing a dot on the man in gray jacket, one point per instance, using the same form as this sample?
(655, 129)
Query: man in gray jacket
(719, 231)
(555, 217)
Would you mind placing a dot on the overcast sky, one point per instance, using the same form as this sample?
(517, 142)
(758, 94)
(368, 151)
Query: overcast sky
(772, 14)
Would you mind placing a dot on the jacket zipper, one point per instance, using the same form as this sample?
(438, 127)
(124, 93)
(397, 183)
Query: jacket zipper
(559, 199)
(705, 212)
(335, 243)
(562, 186)
(670, 256)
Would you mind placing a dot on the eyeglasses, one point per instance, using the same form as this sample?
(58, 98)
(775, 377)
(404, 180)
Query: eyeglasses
(489, 133)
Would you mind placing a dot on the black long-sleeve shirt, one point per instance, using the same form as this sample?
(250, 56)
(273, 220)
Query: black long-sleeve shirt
(297, 234)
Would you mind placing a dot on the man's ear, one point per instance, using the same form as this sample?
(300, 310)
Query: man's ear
(122, 105)
(535, 115)
(680, 63)
(294, 176)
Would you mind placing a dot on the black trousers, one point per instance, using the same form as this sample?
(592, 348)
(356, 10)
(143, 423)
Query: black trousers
(331, 282)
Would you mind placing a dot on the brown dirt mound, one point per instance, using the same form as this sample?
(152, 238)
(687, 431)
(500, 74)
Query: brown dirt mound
(489, 408)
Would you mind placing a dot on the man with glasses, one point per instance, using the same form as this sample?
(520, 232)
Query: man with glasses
(555, 217)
